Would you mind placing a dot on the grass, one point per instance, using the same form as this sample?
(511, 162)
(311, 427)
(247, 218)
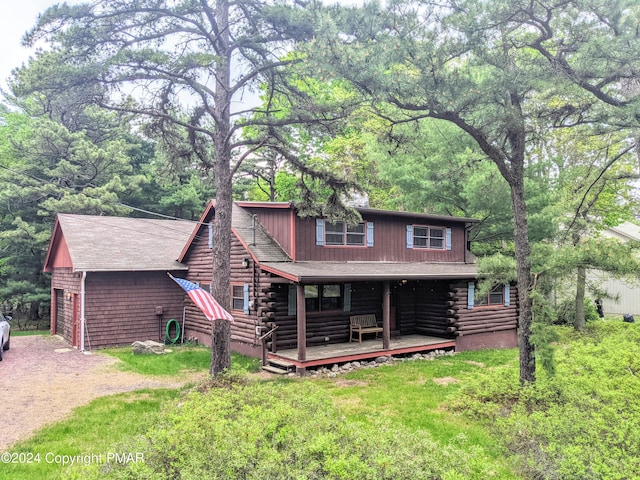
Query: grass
(27, 333)
(582, 423)
(177, 360)
(416, 394)
(92, 431)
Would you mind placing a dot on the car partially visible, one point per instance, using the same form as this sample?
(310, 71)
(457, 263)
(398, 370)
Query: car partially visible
(5, 334)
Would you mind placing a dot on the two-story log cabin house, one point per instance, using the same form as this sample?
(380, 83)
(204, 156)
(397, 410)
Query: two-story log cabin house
(297, 284)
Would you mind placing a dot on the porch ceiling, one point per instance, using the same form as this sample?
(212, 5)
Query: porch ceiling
(317, 272)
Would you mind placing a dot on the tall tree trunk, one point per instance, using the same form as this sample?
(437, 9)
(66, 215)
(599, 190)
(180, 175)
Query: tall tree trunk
(523, 251)
(580, 321)
(220, 283)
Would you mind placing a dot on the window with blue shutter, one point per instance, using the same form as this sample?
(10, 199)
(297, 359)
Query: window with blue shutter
(246, 298)
(369, 234)
(471, 292)
(347, 298)
(292, 305)
(409, 236)
(448, 238)
(319, 231)
(210, 234)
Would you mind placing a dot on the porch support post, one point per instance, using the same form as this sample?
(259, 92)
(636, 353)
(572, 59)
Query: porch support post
(386, 315)
(302, 323)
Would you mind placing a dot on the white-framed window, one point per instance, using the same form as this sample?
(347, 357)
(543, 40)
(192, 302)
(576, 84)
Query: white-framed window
(429, 237)
(500, 295)
(338, 234)
(240, 297)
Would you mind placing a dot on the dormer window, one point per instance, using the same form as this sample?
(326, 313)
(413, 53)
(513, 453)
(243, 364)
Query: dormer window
(428, 237)
(341, 234)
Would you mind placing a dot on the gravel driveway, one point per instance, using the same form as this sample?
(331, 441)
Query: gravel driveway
(42, 379)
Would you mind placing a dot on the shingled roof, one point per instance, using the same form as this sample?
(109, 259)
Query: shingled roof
(101, 243)
(263, 247)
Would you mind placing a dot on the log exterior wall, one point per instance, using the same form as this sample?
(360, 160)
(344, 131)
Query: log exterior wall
(484, 326)
(366, 298)
(435, 308)
(424, 307)
(200, 261)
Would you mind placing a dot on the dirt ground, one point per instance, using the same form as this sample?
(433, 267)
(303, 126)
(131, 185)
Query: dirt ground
(42, 379)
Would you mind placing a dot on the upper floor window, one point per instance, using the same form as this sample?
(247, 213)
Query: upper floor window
(425, 236)
(343, 234)
(428, 237)
(340, 233)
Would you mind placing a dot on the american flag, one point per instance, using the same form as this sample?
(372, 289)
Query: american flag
(204, 300)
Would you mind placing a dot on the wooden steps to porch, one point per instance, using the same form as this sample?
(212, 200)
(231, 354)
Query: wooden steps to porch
(279, 366)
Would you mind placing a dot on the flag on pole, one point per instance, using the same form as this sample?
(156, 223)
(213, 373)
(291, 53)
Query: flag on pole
(203, 300)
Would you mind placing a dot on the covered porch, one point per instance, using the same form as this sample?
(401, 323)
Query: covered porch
(350, 352)
(413, 306)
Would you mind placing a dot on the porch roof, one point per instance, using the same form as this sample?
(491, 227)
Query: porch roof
(318, 272)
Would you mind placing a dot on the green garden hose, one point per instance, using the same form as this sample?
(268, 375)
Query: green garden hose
(167, 336)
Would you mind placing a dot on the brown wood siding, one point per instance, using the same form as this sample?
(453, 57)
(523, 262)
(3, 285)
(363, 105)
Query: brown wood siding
(200, 263)
(277, 222)
(60, 257)
(483, 319)
(120, 307)
(64, 282)
(390, 243)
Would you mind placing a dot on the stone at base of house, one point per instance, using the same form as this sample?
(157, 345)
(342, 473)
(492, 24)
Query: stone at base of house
(478, 341)
(148, 348)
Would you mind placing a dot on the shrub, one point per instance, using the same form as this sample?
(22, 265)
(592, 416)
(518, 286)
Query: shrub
(566, 312)
(584, 422)
(280, 430)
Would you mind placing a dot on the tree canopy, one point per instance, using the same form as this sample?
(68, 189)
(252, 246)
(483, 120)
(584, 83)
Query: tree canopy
(494, 70)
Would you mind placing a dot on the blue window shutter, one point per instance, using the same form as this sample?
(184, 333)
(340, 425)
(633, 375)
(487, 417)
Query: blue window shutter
(471, 292)
(246, 298)
(409, 236)
(210, 234)
(369, 234)
(507, 295)
(319, 231)
(448, 238)
(293, 300)
(347, 297)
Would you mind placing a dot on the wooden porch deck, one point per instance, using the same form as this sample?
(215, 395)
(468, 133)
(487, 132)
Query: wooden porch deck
(354, 351)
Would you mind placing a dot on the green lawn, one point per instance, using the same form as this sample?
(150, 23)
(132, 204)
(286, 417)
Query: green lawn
(92, 432)
(25, 333)
(457, 417)
(178, 359)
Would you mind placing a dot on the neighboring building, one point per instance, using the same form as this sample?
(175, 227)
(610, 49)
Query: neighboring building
(302, 279)
(109, 283)
(627, 292)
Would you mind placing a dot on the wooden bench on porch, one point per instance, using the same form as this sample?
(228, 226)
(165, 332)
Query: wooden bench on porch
(363, 324)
